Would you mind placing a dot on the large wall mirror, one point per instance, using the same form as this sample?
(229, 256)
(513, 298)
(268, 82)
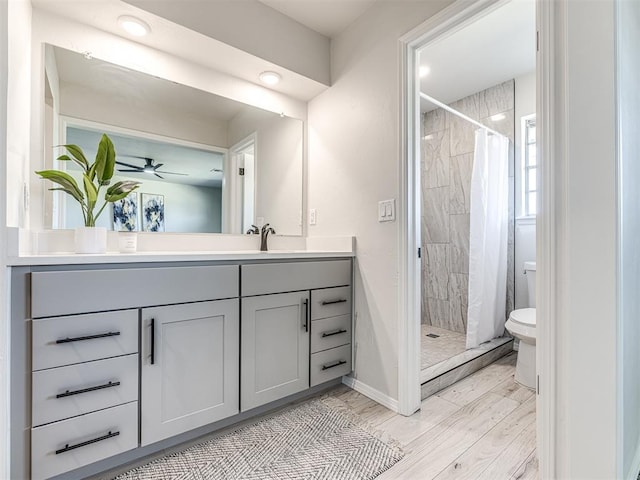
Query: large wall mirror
(213, 165)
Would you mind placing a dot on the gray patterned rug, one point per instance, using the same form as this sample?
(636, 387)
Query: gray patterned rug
(320, 439)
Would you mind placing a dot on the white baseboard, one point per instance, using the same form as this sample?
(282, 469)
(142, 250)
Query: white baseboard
(372, 393)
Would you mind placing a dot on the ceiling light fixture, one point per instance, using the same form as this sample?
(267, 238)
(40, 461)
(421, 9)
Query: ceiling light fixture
(270, 78)
(424, 71)
(497, 117)
(134, 26)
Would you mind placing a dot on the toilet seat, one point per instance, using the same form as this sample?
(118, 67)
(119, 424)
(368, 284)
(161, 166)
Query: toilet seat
(524, 316)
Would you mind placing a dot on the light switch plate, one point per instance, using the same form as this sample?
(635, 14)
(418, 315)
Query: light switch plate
(313, 216)
(387, 210)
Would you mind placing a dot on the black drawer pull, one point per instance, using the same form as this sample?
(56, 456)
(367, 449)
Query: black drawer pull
(335, 332)
(88, 337)
(85, 390)
(331, 302)
(88, 442)
(337, 364)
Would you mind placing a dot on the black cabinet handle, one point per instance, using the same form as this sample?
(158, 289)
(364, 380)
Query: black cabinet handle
(88, 337)
(85, 390)
(305, 302)
(333, 365)
(336, 332)
(153, 341)
(331, 302)
(88, 442)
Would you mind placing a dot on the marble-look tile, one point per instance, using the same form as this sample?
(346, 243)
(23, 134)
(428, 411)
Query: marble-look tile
(459, 235)
(445, 380)
(505, 126)
(435, 154)
(497, 99)
(458, 301)
(465, 356)
(462, 135)
(437, 350)
(469, 106)
(436, 215)
(434, 121)
(425, 318)
(460, 169)
(438, 312)
(437, 266)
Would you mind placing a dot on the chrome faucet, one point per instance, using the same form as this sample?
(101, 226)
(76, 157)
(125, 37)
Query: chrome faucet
(266, 230)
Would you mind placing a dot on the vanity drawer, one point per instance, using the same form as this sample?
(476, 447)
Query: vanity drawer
(129, 288)
(330, 333)
(330, 364)
(63, 446)
(64, 392)
(80, 338)
(330, 302)
(262, 279)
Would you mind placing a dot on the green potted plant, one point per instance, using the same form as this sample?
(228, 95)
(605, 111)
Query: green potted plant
(95, 176)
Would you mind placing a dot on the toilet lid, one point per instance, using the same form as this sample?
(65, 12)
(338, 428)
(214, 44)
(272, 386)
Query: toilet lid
(525, 316)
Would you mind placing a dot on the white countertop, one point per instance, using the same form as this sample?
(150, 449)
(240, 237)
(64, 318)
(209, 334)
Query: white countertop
(67, 258)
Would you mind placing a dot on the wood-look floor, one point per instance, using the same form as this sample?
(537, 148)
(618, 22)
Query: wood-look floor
(483, 427)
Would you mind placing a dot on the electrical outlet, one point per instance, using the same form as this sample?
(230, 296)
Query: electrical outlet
(313, 217)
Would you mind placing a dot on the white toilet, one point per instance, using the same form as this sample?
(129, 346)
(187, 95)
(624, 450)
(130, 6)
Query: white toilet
(522, 325)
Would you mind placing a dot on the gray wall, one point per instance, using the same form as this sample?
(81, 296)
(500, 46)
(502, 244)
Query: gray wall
(446, 164)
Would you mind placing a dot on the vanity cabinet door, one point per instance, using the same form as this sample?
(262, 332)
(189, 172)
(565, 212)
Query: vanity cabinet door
(274, 347)
(190, 367)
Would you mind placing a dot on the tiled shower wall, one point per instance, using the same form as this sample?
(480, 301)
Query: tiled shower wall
(447, 161)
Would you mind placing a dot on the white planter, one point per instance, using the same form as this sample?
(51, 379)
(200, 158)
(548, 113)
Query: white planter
(91, 240)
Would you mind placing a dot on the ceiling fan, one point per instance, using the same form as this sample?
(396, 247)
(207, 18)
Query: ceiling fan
(149, 167)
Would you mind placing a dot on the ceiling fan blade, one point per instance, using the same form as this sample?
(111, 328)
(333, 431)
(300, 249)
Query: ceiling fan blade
(158, 166)
(128, 165)
(173, 173)
(136, 156)
(137, 170)
(159, 176)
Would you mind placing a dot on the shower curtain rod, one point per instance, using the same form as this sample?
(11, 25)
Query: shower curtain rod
(461, 115)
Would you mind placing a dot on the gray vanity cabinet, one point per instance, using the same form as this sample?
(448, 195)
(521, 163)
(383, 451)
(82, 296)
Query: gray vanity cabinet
(190, 367)
(275, 347)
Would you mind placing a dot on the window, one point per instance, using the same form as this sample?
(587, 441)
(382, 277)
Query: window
(529, 163)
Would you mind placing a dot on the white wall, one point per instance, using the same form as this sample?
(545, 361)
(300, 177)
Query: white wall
(525, 230)
(628, 102)
(354, 162)
(187, 208)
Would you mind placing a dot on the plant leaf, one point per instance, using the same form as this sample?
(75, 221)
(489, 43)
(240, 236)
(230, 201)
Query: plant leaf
(78, 156)
(90, 190)
(65, 180)
(119, 190)
(105, 160)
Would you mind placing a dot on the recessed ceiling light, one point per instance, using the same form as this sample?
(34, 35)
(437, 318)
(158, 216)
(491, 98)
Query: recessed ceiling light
(497, 117)
(424, 71)
(134, 26)
(270, 78)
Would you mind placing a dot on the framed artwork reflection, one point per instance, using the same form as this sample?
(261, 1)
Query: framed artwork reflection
(152, 212)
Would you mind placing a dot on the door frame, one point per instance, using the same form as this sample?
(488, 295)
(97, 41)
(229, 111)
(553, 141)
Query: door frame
(447, 21)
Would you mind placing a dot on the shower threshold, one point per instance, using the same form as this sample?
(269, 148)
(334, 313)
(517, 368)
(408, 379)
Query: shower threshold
(438, 373)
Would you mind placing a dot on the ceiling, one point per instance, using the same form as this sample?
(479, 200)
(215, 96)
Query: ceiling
(327, 17)
(488, 51)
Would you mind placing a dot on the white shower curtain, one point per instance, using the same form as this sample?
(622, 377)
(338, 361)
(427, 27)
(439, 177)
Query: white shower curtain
(488, 238)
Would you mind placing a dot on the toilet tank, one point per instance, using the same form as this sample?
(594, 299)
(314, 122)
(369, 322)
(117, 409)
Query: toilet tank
(530, 272)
